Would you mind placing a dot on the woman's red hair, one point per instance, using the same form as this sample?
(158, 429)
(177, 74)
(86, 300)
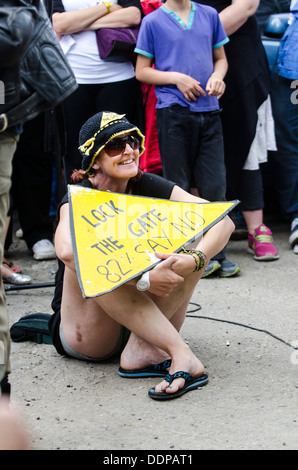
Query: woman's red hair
(78, 176)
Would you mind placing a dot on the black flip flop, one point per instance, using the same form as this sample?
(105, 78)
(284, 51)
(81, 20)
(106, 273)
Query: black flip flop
(156, 370)
(191, 383)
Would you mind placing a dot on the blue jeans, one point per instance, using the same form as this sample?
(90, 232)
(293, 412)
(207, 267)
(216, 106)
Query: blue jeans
(284, 162)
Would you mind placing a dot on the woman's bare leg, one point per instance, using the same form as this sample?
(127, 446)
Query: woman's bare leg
(148, 345)
(138, 353)
(86, 326)
(253, 219)
(92, 326)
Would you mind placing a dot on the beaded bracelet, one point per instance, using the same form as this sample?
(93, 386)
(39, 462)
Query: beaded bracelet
(199, 257)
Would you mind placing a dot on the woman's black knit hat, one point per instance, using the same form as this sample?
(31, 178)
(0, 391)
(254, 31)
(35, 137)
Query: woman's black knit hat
(98, 130)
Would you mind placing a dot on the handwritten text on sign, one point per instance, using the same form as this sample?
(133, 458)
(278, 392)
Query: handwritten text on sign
(115, 235)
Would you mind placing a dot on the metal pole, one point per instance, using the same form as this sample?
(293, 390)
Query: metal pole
(29, 286)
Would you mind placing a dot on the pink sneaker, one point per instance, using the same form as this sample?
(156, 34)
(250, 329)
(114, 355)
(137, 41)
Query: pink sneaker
(260, 244)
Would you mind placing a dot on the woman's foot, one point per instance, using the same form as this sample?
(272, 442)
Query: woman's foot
(139, 354)
(10, 277)
(10, 264)
(186, 362)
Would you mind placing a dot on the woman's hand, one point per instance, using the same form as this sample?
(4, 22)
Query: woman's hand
(181, 264)
(163, 278)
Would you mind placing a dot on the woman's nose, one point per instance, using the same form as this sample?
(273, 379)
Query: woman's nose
(128, 148)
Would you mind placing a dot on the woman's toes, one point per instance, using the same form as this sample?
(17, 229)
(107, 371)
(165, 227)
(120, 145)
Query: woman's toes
(161, 386)
(169, 388)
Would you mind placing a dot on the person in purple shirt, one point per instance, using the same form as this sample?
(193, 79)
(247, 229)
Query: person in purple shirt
(185, 41)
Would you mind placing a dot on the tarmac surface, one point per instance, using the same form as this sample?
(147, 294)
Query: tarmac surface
(244, 330)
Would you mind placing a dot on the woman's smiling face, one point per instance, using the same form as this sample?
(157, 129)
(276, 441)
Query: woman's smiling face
(121, 162)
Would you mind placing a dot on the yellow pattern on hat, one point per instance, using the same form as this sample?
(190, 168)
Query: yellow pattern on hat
(87, 146)
(107, 118)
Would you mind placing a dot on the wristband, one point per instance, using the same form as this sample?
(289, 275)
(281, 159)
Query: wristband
(199, 257)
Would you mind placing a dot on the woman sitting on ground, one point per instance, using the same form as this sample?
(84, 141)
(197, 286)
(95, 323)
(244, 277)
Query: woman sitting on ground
(98, 328)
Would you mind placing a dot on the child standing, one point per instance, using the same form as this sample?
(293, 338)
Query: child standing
(185, 40)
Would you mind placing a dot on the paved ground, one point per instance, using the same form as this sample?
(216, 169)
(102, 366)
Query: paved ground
(244, 334)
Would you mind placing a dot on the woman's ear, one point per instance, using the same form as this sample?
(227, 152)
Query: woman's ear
(96, 165)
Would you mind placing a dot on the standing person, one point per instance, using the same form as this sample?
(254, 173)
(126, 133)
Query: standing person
(40, 142)
(97, 328)
(8, 141)
(24, 30)
(189, 82)
(103, 84)
(248, 125)
(150, 161)
(284, 162)
(10, 58)
(32, 176)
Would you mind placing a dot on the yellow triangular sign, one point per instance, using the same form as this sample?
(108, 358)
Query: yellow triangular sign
(115, 235)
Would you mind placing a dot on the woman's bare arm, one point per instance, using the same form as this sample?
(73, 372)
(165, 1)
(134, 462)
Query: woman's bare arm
(235, 15)
(118, 18)
(216, 238)
(69, 22)
(63, 243)
(213, 241)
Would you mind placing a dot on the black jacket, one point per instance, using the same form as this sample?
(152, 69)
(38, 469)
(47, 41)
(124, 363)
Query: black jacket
(34, 72)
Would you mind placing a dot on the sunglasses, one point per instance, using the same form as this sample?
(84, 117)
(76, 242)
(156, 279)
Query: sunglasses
(117, 146)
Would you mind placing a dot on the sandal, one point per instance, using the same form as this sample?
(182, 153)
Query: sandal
(10, 277)
(14, 267)
(156, 370)
(191, 383)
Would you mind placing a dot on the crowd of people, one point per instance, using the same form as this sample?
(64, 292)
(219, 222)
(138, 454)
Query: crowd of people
(211, 116)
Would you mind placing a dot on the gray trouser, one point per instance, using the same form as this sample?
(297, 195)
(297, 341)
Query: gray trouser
(8, 142)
